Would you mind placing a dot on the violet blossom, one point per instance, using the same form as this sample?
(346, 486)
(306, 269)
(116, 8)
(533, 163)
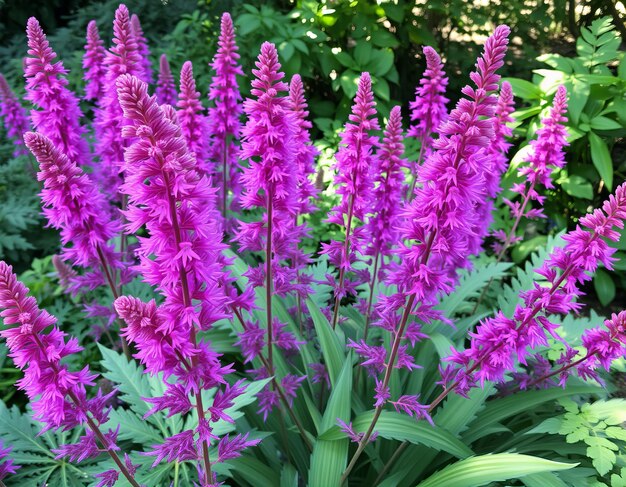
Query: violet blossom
(192, 123)
(123, 57)
(546, 155)
(93, 63)
(500, 340)
(166, 89)
(15, 119)
(441, 220)
(55, 111)
(7, 466)
(142, 49)
(429, 108)
(223, 117)
(354, 185)
(72, 203)
(305, 151)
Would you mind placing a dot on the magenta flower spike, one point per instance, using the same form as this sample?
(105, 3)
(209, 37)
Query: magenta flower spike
(500, 342)
(305, 152)
(354, 184)
(93, 63)
(73, 204)
(14, 116)
(55, 114)
(142, 49)
(496, 160)
(7, 466)
(192, 123)
(223, 117)
(546, 154)
(166, 89)
(57, 395)
(429, 108)
(123, 57)
(441, 220)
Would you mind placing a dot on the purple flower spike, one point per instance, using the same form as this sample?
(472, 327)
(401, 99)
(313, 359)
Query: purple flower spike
(38, 353)
(429, 107)
(353, 180)
(123, 57)
(6, 464)
(224, 124)
(546, 154)
(72, 203)
(166, 89)
(382, 228)
(498, 341)
(142, 49)
(93, 63)
(192, 122)
(15, 119)
(55, 113)
(305, 152)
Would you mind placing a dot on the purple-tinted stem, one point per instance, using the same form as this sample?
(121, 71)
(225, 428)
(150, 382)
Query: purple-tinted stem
(93, 426)
(415, 167)
(107, 272)
(268, 278)
(346, 255)
(187, 301)
(225, 170)
(507, 243)
(278, 389)
(371, 298)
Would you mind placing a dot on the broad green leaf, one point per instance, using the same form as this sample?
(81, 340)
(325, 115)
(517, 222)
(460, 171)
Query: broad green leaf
(577, 186)
(605, 123)
(603, 458)
(601, 158)
(396, 426)
(482, 470)
(578, 94)
(604, 286)
(333, 350)
(362, 54)
(506, 407)
(525, 89)
(544, 479)
(329, 458)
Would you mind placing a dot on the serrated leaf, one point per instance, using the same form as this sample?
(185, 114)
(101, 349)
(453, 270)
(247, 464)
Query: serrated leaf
(603, 459)
(481, 470)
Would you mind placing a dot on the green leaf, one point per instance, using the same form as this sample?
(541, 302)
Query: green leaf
(333, 350)
(349, 82)
(481, 470)
(604, 286)
(362, 54)
(603, 458)
(506, 407)
(396, 426)
(601, 158)
(329, 458)
(578, 94)
(577, 186)
(525, 89)
(605, 123)
(544, 479)
(383, 38)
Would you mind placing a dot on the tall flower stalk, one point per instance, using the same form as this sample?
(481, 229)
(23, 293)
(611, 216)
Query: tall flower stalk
(93, 63)
(192, 122)
(546, 154)
(382, 227)
(15, 119)
(142, 49)
(223, 118)
(166, 89)
(442, 219)
(354, 185)
(182, 258)
(55, 112)
(57, 395)
(428, 110)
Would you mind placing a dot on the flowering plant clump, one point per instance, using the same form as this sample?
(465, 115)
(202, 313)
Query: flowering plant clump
(232, 350)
